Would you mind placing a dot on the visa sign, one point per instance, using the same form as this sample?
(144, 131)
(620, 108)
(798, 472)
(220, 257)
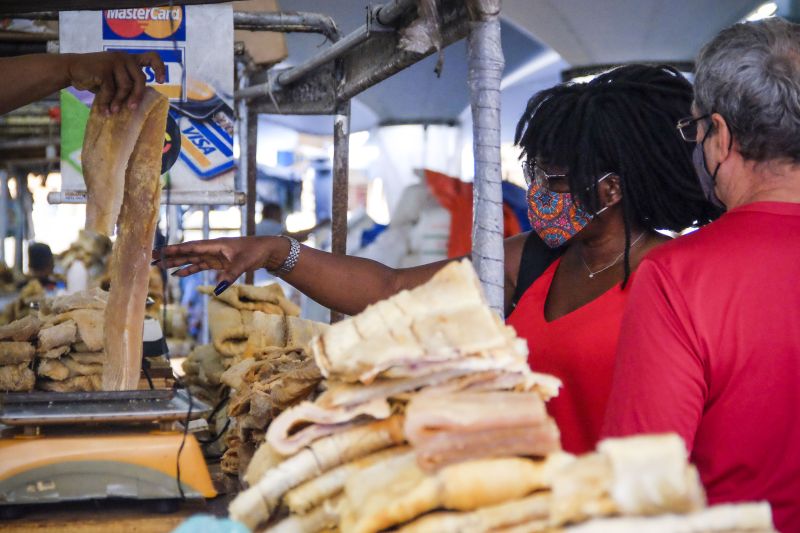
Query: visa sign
(205, 147)
(172, 87)
(145, 24)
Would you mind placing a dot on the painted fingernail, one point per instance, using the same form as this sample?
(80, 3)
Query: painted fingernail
(154, 262)
(133, 105)
(219, 289)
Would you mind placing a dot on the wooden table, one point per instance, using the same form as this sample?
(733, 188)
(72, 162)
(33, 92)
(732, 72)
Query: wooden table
(109, 517)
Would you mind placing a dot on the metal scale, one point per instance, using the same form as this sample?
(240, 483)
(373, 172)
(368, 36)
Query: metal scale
(57, 447)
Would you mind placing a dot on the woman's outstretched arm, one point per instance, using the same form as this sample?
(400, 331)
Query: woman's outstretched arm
(344, 283)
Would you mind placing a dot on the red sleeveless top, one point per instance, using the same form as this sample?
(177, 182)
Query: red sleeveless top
(579, 349)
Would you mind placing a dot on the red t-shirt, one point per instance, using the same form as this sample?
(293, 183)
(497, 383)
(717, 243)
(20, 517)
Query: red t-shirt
(579, 349)
(710, 349)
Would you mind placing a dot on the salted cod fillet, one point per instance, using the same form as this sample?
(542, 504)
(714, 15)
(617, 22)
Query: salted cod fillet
(128, 142)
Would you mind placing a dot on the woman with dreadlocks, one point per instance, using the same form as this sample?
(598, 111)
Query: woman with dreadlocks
(606, 168)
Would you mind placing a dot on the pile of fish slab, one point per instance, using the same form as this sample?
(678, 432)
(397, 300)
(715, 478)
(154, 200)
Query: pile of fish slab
(432, 421)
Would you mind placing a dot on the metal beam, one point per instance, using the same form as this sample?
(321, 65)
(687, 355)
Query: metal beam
(280, 21)
(386, 14)
(365, 65)
(384, 58)
(175, 197)
(313, 95)
(13, 7)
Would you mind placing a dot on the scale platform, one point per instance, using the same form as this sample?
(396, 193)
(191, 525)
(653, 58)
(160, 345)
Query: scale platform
(59, 447)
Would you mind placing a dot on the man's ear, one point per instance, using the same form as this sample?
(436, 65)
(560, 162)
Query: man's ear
(609, 191)
(719, 145)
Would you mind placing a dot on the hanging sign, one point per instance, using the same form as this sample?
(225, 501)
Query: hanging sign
(196, 45)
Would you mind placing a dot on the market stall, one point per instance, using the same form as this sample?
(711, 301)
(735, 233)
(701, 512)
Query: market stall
(418, 414)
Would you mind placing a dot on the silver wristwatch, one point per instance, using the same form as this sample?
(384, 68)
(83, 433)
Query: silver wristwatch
(291, 259)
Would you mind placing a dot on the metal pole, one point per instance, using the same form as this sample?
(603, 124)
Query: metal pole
(341, 167)
(173, 224)
(28, 142)
(3, 213)
(204, 332)
(252, 171)
(486, 65)
(287, 22)
(19, 231)
(386, 14)
(241, 171)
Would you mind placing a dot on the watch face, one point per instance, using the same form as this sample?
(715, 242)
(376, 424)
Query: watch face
(172, 145)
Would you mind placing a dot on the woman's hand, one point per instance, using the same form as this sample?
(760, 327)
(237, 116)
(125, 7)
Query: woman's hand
(229, 257)
(116, 77)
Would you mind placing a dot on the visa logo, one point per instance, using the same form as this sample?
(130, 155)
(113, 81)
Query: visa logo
(200, 141)
(172, 87)
(173, 73)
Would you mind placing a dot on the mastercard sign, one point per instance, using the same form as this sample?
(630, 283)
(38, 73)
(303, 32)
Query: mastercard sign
(145, 24)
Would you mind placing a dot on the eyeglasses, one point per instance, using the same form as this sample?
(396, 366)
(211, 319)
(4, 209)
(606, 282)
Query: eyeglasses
(535, 174)
(687, 127)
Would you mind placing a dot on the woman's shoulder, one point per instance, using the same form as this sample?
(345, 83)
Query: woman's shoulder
(514, 247)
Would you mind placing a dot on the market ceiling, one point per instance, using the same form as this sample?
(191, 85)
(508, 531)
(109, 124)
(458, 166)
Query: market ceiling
(535, 33)
(586, 32)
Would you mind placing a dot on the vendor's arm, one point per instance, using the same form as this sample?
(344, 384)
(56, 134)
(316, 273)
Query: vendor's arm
(659, 379)
(116, 77)
(344, 283)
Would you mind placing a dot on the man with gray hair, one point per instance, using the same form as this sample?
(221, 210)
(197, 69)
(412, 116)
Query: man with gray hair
(710, 342)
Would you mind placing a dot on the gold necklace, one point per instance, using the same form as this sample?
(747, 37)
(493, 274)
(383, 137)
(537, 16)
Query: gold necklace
(592, 274)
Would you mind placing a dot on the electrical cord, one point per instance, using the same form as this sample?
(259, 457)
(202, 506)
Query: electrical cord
(220, 433)
(146, 371)
(183, 443)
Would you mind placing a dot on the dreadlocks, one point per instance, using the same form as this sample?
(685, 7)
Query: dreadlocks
(623, 122)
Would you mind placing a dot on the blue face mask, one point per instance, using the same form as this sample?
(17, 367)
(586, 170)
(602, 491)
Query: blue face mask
(707, 180)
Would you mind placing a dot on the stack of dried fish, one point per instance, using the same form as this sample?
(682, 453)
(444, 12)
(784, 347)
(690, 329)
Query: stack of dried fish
(92, 249)
(26, 303)
(202, 372)
(230, 316)
(9, 279)
(432, 421)
(231, 323)
(273, 373)
(176, 330)
(70, 346)
(62, 342)
(410, 354)
(17, 353)
(637, 484)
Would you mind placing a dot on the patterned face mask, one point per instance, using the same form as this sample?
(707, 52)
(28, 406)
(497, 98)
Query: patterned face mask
(554, 215)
